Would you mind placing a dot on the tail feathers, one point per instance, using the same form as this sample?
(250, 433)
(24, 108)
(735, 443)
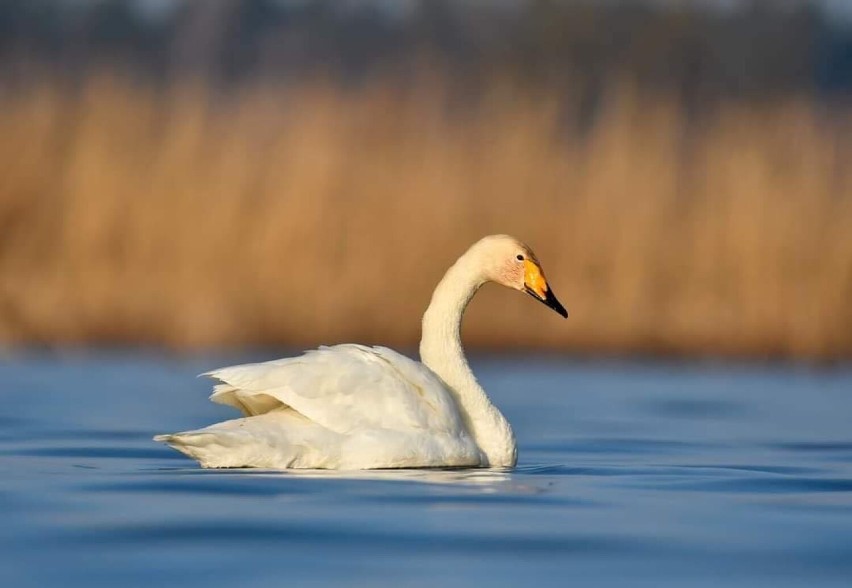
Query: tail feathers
(276, 440)
(210, 449)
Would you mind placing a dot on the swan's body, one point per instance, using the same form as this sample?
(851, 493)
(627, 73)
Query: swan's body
(356, 407)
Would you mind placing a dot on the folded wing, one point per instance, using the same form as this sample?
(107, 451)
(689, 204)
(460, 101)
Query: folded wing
(344, 388)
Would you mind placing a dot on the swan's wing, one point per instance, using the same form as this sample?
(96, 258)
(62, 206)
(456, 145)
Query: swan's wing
(343, 388)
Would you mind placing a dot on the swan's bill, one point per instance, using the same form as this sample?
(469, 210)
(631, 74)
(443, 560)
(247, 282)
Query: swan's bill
(535, 284)
(549, 300)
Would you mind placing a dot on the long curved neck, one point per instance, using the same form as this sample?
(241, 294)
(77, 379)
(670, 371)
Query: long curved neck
(441, 350)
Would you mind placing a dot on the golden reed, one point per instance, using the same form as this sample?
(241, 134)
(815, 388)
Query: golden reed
(310, 214)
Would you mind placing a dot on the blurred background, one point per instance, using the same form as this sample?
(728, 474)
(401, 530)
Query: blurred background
(227, 173)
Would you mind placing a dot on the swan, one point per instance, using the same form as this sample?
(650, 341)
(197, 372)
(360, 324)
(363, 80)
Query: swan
(353, 407)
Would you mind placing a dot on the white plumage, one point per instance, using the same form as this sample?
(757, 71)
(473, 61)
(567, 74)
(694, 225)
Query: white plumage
(357, 407)
(344, 407)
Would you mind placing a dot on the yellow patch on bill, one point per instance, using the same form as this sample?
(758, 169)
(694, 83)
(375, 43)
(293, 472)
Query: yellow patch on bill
(534, 278)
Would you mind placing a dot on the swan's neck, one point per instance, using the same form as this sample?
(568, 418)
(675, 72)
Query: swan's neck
(441, 350)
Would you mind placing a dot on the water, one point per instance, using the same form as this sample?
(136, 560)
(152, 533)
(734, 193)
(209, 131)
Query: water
(630, 474)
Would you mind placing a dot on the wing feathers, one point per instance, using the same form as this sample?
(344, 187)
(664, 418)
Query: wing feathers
(343, 388)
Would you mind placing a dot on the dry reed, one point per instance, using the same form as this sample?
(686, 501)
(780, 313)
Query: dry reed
(307, 214)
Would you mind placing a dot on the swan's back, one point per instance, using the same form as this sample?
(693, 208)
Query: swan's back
(347, 406)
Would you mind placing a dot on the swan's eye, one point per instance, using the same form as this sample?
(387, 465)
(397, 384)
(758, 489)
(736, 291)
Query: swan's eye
(520, 257)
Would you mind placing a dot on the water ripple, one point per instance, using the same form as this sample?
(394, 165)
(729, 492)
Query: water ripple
(754, 485)
(229, 532)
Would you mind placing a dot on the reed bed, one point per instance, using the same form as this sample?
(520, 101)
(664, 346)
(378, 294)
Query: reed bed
(307, 213)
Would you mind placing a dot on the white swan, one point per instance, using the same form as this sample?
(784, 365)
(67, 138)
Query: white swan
(356, 407)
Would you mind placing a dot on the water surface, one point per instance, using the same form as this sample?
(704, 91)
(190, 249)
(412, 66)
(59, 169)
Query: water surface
(639, 474)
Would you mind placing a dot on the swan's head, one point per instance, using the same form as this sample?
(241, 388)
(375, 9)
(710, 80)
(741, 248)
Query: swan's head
(509, 262)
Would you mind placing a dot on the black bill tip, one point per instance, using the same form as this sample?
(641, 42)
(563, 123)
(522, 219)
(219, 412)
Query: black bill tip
(550, 301)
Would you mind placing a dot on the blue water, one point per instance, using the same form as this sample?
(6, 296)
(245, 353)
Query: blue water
(630, 474)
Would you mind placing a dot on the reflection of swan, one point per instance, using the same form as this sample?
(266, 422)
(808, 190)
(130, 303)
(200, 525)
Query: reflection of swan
(484, 478)
(356, 407)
